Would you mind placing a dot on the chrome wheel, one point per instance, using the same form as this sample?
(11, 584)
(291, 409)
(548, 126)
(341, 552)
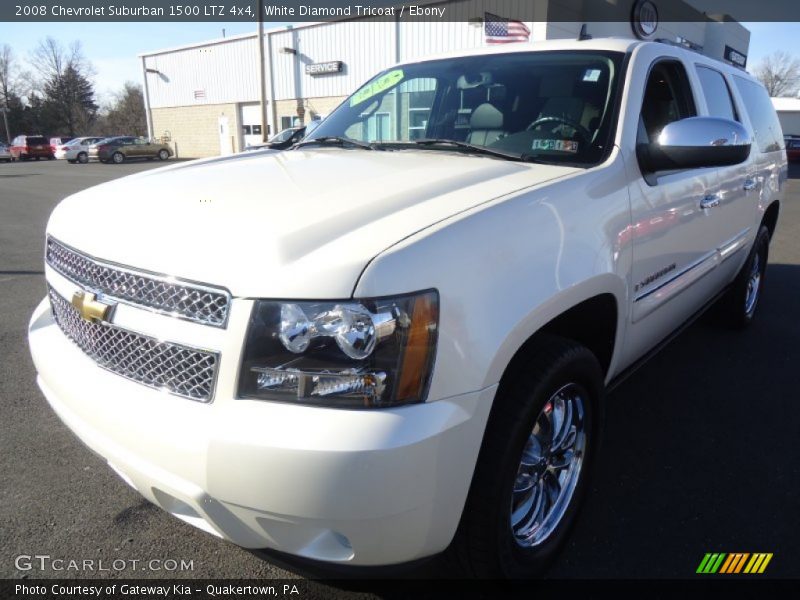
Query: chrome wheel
(753, 285)
(550, 467)
(117, 157)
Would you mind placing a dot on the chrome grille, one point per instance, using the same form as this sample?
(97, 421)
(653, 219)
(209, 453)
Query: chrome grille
(181, 370)
(190, 301)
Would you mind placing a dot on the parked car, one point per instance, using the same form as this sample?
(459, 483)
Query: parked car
(281, 141)
(393, 340)
(119, 149)
(5, 152)
(25, 147)
(77, 150)
(793, 147)
(57, 144)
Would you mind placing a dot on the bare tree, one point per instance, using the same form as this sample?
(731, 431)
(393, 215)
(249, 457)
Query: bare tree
(780, 74)
(8, 73)
(125, 114)
(64, 85)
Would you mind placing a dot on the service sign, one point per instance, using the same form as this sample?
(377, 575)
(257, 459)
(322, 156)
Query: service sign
(324, 68)
(735, 57)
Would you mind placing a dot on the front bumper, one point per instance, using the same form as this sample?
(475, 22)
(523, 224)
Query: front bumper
(348, 486)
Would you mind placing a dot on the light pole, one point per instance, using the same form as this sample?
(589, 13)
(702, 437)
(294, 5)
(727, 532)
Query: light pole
(4, 110)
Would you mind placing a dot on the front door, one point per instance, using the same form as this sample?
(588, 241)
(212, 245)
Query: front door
(672, 236)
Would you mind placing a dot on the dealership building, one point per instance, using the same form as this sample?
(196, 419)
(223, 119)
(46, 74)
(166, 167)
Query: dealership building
(205, 99)
(788, 110)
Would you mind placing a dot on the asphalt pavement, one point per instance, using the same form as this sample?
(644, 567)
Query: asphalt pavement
(700, 451)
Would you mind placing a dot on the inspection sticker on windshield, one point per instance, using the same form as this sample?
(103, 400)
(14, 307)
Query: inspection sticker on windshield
(382, 83)
(557, 145)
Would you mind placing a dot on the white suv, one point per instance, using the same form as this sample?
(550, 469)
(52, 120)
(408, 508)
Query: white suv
(394, 338)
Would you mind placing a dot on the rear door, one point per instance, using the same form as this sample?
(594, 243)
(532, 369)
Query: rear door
(140, 148)
(733, 216)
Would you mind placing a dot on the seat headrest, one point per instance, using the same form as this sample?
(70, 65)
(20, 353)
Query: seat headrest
(473, 80)
(486, 116)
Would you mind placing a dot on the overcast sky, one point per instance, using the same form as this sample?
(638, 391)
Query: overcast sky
(112, 47)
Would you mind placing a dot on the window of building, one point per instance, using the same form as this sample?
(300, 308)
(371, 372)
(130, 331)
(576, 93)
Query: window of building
(718, 96)
(419, 110)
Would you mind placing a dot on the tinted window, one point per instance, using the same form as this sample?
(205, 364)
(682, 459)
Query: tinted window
(549, 106)
(33, 140)
(667, 98)
(769, 136)
(718, 96)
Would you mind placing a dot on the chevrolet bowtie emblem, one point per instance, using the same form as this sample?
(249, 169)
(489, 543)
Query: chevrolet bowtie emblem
(90, 308)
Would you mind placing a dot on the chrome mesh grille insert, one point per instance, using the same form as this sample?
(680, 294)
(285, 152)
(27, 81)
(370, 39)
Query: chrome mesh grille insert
(193, 302)
(181, 370)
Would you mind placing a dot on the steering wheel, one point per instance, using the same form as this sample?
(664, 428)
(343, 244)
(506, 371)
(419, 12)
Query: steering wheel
(584, 133)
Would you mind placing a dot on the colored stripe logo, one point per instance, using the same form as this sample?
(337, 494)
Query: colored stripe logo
(736, 562)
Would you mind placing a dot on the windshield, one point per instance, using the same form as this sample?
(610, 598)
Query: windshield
(283, 136)
(548, 106)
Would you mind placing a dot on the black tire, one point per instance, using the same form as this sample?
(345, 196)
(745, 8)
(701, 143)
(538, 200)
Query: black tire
(38, 158)
(83, 158)
(71, 161)
(118, 158)
(163, 155)
(484, 545)
(737, 308)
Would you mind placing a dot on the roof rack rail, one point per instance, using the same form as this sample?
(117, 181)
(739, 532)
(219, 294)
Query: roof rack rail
(682, 43)
(689, 45)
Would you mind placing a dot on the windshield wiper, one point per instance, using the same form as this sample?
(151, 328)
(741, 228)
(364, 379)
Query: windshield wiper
(336, 140)
(471, 148)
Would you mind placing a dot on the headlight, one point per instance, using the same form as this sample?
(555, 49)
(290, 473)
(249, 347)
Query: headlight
(354, 353)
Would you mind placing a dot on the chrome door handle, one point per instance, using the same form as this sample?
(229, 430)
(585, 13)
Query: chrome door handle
(749, 184)
(710, 201)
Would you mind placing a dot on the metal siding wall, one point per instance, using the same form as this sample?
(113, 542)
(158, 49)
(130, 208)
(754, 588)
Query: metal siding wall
(226, 72)
(364, 47)
(420, 39)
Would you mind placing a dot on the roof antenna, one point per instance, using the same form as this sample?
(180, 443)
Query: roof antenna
(583, 35)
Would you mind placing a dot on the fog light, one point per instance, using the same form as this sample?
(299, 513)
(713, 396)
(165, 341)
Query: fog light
(369, 385)
(276, 379)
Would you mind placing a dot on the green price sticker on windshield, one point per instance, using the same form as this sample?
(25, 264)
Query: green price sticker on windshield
(384, 82)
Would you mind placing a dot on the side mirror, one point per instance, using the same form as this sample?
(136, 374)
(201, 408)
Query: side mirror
(696, 142)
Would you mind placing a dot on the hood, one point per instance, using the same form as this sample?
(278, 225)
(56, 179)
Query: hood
(299, 224)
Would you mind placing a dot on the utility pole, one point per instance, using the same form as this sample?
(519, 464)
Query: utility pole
(262, 75)
(4, 110)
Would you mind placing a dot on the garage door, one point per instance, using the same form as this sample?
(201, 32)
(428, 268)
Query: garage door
(251, 124)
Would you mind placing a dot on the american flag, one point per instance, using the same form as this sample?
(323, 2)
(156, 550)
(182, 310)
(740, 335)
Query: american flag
(499, 30)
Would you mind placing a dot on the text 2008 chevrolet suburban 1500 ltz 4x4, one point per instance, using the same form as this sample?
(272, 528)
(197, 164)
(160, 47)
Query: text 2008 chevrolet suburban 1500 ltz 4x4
(393, 339)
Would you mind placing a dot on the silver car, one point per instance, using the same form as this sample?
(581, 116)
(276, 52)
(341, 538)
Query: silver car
(78, 149)
(5, 153)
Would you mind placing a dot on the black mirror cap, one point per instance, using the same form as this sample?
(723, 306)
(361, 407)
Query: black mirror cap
(654, 158)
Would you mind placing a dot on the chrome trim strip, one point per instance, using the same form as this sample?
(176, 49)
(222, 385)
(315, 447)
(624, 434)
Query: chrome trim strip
(736, 243)
(648, 302)
(677, 275)
(156, 277)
